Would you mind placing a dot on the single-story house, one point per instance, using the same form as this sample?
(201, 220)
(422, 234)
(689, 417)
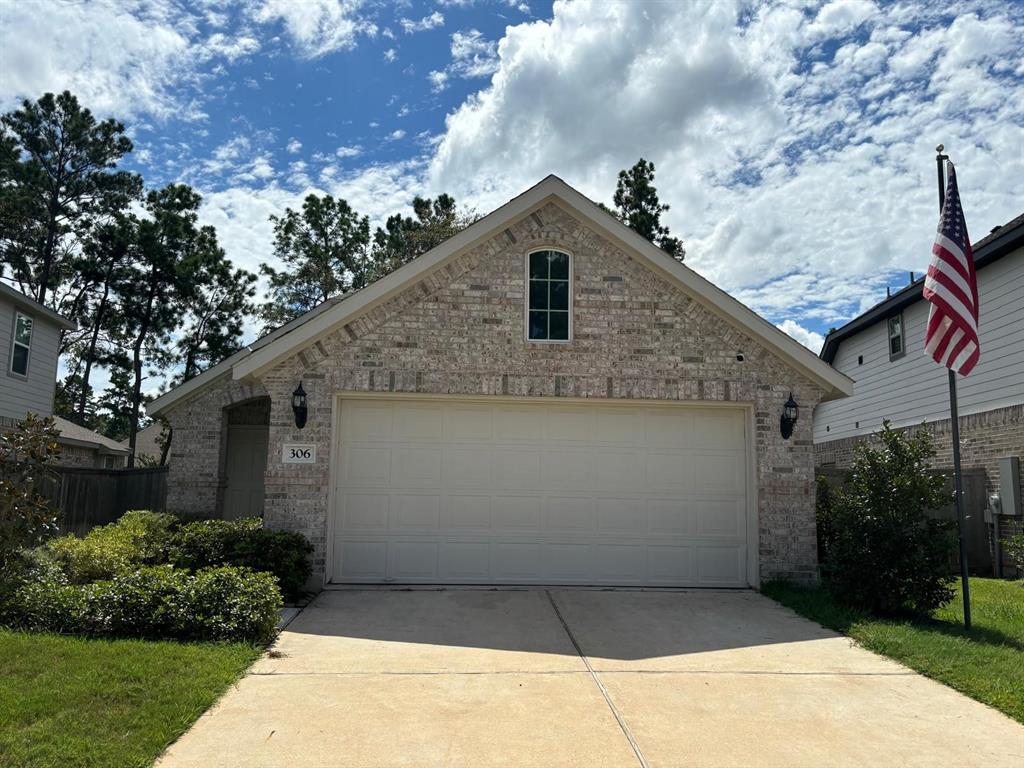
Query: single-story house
(544, 398)
(883, 351)
(148, 445)
(81, 447)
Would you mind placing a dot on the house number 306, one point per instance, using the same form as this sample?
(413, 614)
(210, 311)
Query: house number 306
(298, 453)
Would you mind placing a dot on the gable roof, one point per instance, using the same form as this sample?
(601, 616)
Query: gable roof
(998, 243)
(327, 317)
(35, 307)
(74, 434)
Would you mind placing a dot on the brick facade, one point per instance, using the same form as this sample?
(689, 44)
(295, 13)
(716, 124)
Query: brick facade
(984, 439)
(460, 330)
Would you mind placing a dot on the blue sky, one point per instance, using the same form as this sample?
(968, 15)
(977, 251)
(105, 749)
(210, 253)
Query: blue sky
(794, 140)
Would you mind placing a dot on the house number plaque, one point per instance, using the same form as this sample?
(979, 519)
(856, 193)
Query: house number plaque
(298, 453)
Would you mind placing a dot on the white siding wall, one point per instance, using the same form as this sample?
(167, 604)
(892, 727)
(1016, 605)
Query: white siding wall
(19, 395)
(914, 389)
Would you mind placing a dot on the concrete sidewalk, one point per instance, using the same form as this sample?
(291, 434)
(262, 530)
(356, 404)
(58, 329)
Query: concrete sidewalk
(582, 678)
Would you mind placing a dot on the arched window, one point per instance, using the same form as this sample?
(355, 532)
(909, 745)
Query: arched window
(549, 296)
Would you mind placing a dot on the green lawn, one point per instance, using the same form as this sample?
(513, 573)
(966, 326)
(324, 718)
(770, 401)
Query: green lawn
(67, 701)
(986, 663)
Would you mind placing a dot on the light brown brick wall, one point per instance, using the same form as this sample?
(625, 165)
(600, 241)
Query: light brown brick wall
(461, 331)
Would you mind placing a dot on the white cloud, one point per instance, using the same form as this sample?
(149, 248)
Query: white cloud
(472, 55)
(115, 61)
(809, 339)
(390, 55)
(438, 81)
(800, 178)
(344, 152)
(396, 135)
(294, 145)
(317, 27)
(410, 26)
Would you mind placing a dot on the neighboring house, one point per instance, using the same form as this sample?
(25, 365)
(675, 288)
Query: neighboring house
(544, 398)
(147, 444)
(883, 352)
(81, 447)
(29, 345)
(30, 342)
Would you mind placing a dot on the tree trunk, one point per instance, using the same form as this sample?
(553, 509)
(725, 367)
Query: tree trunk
(90, 354)
(140, 340)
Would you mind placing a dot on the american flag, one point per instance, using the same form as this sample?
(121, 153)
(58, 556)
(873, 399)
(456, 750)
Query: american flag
(952, 288)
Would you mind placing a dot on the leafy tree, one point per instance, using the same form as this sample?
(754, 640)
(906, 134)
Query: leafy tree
(57, 178)
(638, 207)
(174, 259)
(880, 550)
(116, 405)
(27, 454)
(323, 248)
(403, 238)
(216, 316)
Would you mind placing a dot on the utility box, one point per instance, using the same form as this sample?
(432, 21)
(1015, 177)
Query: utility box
(1009, 486)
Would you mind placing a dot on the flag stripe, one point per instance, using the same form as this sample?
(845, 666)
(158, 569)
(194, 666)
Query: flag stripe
(951, 287)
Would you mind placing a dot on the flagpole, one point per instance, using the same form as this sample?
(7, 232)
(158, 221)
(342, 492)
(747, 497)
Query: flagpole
(940, 159)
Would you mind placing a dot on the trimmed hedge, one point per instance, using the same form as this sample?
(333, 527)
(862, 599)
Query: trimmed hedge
(153, 538)
(246, 544)
(153, 602)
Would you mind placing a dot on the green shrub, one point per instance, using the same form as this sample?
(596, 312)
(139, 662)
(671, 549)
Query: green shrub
(1014, 549)
(137, 538)
(27, 454)
(244, 543)
(880, 549)
(157, 602)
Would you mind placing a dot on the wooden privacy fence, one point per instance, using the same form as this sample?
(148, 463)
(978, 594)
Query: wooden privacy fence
(87, 497)
(979, 551)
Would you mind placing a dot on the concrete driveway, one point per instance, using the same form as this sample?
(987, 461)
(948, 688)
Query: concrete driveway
(582, 678)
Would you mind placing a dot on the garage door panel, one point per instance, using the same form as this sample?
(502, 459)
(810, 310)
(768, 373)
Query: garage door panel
(470, 492)
(719, 564)
(467, 561)
(722, 471)
(468, 468)
(364, 465)
(669, 516)
(413, 560)
(672, 471)
(627, 515)
(669, 565)
(416, 467)
(515, 513)
(566, 468)
(466, 512)
(561, 513)
(362, 560)
(416, 512)
(365, 511)
(516, 468)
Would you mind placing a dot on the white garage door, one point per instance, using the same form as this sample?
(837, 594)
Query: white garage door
(464, 492)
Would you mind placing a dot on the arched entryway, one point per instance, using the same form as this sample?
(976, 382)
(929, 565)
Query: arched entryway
(247, 430)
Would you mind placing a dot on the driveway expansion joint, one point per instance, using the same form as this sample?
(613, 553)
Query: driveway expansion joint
(597, 681)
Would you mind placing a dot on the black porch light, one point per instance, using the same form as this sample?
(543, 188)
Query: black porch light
(299, 406)
(790, 412)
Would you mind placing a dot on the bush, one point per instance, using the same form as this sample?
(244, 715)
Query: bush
(244, 543)
(27, 453)
(880, 549)
(159, 602)
(1014, 549)
(137, 538)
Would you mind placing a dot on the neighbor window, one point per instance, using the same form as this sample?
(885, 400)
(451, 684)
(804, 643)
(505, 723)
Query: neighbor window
(20, 344)
(896, 346)
(550, 297)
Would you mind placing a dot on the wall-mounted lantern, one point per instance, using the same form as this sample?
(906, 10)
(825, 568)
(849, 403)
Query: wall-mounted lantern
(299, 406)
(790, 412)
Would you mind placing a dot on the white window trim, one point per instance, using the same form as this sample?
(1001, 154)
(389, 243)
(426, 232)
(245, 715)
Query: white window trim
(889, 337)
(526, 295)
(14, 342)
